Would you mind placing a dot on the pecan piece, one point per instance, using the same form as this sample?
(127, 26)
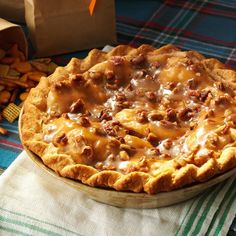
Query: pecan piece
(60, 140)
(194, 93)
(87, 151)
(151, 96)
(171, 85)
(171, 115)
(185, 114)
(138, 60)
(84, 121)
(156, 116)
(167, 144)
(104, 115)
(223, 100)
(192, 84)
(204, 95)
(142, 116)
(120, 97)
(112, 86)
(65, 115)
(152, 138)
(78, 79)
(110, 75)
(130, 150)
(167, 124)
(109, 129)
(154, 151)
(77, 107)
(113, 142)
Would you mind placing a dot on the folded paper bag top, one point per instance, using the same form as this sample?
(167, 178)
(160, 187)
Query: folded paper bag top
(58, 26)
(10, 34)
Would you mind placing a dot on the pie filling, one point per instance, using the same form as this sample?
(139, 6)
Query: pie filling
(136, 115)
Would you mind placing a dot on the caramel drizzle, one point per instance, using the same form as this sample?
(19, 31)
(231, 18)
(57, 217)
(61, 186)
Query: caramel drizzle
(161, 112)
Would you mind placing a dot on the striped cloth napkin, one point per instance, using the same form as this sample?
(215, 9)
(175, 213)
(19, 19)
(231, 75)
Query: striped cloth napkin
(35, 203)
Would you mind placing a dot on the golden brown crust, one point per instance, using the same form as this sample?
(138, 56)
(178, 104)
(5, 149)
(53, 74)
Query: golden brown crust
(173, 173)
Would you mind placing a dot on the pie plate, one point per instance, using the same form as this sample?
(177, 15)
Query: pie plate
(128, 199)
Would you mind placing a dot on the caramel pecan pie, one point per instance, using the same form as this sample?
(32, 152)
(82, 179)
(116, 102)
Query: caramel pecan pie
(140, 119)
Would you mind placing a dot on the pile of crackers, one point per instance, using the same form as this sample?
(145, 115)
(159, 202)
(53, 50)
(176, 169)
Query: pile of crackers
(17, 77)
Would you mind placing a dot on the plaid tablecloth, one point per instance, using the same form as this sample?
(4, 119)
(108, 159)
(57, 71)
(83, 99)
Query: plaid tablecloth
(206, 26)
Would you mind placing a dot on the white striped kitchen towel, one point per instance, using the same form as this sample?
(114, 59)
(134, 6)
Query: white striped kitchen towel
(32, 202)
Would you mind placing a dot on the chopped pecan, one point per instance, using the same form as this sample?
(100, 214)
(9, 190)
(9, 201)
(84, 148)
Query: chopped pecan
(212, 141)
(155, 151)
(84, 121)
(78, 79)
(185, 114)
(171, 115)
(152, 138)
(87, 151)
(223, 100)
(171, 85)
(165, 156)
(130, 150)
(109, 129)
(129, 88)
(140, 74)
(167, 144)
(112, 86)
(138, 60)
(148, 77)
(116, 122)
(121, 139)
(156, 64)
(194, 93)
(225, 88)
(142, 116)
(167, 124)
(100, 131)
(104, 115)
(155, 116)
(113, 142)
(60, 140)
(65, 115)
(77, 107)
(192, 84)
(151, 96)
(120, 97)
(110, 75)
(117, 60)
(122, 105)
(203, 95)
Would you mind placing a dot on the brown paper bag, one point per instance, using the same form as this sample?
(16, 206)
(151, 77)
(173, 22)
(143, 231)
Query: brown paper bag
(59, 26)
(13, 10)
(10, 34)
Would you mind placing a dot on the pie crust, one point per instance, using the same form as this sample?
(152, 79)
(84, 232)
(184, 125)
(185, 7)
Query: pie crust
(135, 119)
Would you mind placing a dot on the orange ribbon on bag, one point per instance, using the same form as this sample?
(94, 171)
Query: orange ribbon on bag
(92, 6)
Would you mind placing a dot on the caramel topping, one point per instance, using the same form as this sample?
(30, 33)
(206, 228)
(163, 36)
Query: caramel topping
(133, 114)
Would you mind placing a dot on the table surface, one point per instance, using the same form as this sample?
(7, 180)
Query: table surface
(207, 27)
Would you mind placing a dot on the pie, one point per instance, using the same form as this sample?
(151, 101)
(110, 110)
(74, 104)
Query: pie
(135, 119)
